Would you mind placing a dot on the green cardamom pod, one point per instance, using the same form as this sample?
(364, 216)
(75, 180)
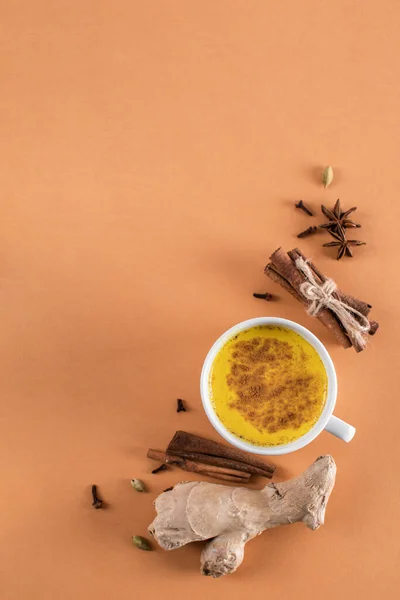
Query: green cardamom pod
(141, 543)
(327, 176)
(138, 485)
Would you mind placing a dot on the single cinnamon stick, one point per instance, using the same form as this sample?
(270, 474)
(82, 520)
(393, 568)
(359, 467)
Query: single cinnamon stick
(188, 442)
(189, 465)
(284, 265)
(226, 477)
(219, 461)
(355, 303)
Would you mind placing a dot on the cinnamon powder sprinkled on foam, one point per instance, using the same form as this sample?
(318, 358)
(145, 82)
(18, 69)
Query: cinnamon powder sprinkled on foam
(269, 387)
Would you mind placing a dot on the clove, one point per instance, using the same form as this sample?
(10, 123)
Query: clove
(180, 406)
(160, 468)
(300, 204)
(265, 296)
(97, 502)
(307, 232)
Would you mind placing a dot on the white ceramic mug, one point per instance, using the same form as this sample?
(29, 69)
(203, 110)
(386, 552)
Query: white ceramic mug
(327, 420)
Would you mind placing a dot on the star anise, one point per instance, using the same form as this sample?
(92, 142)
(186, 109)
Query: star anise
(338, 218)
(343, 245)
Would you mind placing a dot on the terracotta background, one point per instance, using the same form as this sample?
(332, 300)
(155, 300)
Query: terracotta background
(151, 153)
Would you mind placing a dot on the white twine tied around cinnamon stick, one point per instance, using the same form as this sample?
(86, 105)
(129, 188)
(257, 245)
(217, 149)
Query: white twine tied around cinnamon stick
(321, 296)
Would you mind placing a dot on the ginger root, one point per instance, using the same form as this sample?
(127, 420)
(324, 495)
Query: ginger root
(195, 511)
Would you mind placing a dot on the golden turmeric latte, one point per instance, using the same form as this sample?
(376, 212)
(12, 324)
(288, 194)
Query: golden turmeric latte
(268, 385)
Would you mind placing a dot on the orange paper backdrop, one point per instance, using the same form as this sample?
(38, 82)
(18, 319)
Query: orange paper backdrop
(151, 153)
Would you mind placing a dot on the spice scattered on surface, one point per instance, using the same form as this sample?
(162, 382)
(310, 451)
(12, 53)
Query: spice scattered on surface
(327, 176)
(338, 222)
(337, 217)
(310, 231)
(138, 485)
(160, 468)
(304, 208)
(97, 503)
(265, 296)
(180, 406)
(343, 245)
(168, 489)
(141, 543)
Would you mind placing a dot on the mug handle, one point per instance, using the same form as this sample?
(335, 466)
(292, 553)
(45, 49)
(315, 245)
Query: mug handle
(340, 428)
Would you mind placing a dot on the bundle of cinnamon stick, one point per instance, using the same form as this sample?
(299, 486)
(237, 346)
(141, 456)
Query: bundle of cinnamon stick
(282, 269)
(200, 455)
